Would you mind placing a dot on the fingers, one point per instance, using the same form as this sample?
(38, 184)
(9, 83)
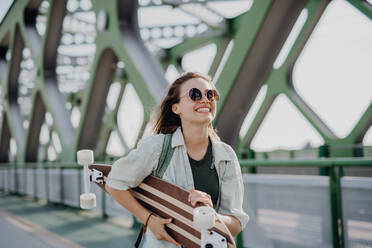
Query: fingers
(201, 200)
(165, 221)
(168, 238)
(157, 227)
(196, 196)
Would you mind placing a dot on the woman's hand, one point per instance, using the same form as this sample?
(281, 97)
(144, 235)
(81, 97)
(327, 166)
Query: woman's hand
(156, 224)
(196, 196)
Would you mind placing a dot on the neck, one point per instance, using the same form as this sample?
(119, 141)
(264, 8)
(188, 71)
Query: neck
(195, 136)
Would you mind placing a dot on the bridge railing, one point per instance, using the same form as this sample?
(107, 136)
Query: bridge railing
(55, 183)
(330, 210)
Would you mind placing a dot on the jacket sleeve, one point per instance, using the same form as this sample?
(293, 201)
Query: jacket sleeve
(232, 191)
(129, 171)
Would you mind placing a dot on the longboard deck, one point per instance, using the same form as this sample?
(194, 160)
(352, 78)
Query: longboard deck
(170, 201)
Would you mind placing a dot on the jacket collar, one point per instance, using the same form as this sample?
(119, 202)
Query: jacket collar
(177, 138)
(220, 152)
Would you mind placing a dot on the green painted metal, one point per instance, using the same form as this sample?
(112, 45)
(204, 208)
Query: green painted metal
(35, 184)
(340, 219)
(188, 45)
(62, 189)
(221, 46)
(243, 40)
(324, 153)
(251, 75)
(327, 167)
(18, 31)
(104, 40)
(16, 26)
(80, 183)
(280, 82)
(363, 6)
(333, 164)
(357, 133)
(333, 199)
(321, 163)
(46, 168)
(174, 54)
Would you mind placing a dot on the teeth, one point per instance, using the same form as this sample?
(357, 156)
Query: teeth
(203, 110)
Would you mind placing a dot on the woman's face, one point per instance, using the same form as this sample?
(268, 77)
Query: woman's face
(200, 111)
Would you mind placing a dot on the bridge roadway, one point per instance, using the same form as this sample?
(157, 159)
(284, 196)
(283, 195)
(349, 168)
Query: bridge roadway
(28, 223)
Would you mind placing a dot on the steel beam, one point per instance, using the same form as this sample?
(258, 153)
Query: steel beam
(33, 134)
(280, 80)
(363, 6)
(145, 63)
(55, 103)
(92, 113)
(15, 117)
(256, 66)
(4, 140)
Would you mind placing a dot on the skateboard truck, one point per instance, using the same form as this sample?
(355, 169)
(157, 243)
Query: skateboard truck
(96, 176)
(87, 199)
(204, 219)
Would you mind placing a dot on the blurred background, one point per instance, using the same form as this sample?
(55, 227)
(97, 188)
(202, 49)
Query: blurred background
(296, 101)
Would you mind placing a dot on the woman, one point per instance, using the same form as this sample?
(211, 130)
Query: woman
(187, 112)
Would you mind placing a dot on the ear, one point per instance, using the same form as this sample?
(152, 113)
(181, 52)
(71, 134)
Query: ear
(175, 109)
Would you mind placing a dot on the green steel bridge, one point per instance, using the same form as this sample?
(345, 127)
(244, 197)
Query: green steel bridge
(68, 68)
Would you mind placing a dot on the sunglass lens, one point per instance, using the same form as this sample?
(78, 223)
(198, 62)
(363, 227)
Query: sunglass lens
(216, 95)
(195, 94)
(210, 95)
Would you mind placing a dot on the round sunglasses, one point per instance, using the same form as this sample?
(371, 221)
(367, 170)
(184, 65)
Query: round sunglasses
(196, 95)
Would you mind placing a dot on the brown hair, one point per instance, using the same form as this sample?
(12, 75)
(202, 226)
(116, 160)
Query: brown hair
(167, 121)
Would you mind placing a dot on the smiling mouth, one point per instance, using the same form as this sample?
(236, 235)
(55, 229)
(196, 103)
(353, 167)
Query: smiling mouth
(203, 110)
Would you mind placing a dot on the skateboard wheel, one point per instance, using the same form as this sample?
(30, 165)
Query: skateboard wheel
(85, 157)
(204, 217)
(87, 201)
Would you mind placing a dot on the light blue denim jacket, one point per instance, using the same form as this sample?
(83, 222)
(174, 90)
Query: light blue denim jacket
(129, 172)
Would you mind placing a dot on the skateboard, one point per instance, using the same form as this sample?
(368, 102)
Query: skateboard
(193, 227)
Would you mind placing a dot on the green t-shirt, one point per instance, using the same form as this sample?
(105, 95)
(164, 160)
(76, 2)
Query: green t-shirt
(205, 175)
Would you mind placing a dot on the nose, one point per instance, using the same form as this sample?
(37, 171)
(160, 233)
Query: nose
(204, 97)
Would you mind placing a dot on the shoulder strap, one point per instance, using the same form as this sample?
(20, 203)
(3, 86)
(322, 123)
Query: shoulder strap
(164, 159)
(165, 156)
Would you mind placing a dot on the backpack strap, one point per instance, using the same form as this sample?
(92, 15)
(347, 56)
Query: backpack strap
(165, 156)
(164, 159)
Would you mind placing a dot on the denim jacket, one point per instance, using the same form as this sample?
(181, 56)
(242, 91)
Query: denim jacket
(129, 172)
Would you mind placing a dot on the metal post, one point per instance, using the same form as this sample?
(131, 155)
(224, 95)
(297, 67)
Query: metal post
(35, 182)
(340, 174)
(2, 178)
(251, 155)
(79, 185)
(104, 211)
(15, 179)
(46, 169)
(324, 153)
(9, 181)
(336, 209)
(358, 151)
(25, 180)
(62, 191)
(323, 171)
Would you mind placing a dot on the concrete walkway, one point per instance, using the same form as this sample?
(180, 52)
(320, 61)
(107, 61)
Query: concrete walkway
(27, 223)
